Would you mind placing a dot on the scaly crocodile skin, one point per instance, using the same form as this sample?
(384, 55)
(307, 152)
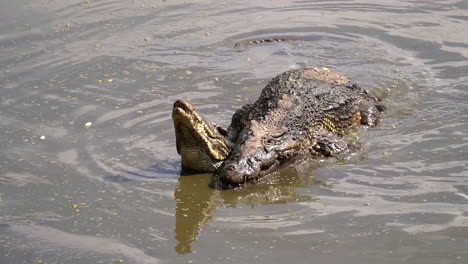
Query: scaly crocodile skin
(300, 112)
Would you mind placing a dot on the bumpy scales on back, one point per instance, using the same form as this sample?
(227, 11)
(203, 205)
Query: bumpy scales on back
(300, 112)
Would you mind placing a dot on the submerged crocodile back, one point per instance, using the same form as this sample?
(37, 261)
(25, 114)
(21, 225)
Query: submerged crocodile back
(304, 98)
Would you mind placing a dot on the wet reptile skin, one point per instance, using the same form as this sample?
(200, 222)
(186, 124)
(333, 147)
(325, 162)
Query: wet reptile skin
(300, 112)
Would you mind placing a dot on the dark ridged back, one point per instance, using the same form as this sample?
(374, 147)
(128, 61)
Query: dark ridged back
(314, 102)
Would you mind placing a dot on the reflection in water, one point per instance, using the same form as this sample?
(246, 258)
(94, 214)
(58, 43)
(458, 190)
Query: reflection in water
(196, 201)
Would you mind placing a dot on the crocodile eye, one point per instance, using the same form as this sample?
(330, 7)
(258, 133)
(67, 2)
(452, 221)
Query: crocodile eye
(268, 141)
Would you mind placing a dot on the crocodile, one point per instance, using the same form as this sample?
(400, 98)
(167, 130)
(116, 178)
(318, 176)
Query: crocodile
(301, 112)
(260, 41)
(277, 39)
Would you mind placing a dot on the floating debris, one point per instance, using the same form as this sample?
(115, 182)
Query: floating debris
(75, 208)
(188, 72)
(42, 137)
(88, 124)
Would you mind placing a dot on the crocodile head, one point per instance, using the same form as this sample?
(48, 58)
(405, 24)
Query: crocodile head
(257, 152)
(200, 143)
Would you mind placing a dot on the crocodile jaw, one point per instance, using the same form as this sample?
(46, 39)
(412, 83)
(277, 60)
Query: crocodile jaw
(199, 142)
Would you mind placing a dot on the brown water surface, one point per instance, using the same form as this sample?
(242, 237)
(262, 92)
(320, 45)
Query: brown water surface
(88, 167)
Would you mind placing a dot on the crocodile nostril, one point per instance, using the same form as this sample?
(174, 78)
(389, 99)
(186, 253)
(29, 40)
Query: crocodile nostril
(180, 105)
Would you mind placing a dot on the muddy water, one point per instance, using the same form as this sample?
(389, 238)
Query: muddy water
(88, 167)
